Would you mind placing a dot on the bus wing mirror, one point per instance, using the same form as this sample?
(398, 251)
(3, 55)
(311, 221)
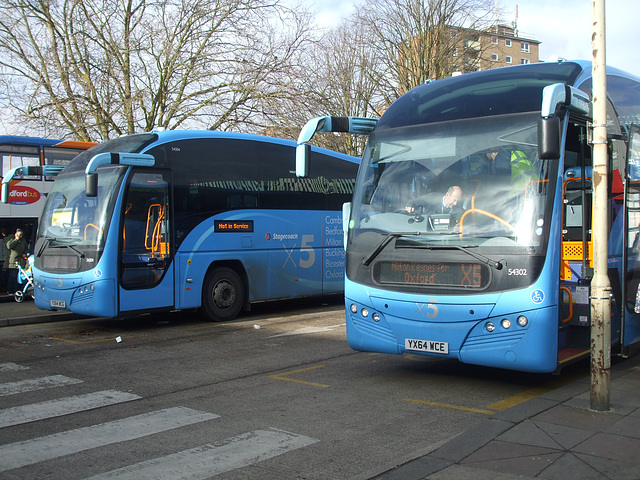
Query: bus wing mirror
(346, 219)
(91, 185)
(303, 152)
(633, 153)
(549, 138)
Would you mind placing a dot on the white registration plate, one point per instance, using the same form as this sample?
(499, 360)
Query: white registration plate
(430, 346)
(58, 304)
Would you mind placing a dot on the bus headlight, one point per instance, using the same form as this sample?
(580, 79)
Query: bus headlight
(364, 312)
(523, 321)
(490, 327)
(376, 317)
(353, 308)
(506, 323)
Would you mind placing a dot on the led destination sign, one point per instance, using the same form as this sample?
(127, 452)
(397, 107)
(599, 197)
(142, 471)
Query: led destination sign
(233, 226)
(467, 275)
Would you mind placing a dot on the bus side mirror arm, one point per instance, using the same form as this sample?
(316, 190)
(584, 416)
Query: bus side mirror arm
(554, 98)
(132, 159)
(357, 125)
(5, 192)
(16, 172)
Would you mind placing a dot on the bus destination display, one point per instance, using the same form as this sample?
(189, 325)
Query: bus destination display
(438, 274)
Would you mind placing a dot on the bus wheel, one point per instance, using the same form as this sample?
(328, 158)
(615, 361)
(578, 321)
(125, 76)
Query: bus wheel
(223, 294)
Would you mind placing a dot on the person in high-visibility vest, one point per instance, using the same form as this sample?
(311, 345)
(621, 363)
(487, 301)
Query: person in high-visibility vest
(522, 170)
(516, 164)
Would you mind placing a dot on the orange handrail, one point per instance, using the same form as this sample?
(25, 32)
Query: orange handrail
(568, 290)
(488, 214)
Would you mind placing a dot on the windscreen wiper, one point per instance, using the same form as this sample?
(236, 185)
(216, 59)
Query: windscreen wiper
(486, 260)
(47, 241)
(74, 249)
(45, 244)
(386, 241)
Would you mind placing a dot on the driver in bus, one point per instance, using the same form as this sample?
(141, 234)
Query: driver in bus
(436, 203)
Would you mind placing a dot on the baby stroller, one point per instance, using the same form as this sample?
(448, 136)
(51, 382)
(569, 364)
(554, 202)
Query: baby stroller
(25, 280)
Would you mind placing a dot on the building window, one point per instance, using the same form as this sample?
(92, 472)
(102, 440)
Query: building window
(524, 47)
(508, 59)
(507, 42)
(524, 61)
(494, 40)
(494, 57)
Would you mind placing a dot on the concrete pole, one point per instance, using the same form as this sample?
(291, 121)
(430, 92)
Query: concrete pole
(600, 286)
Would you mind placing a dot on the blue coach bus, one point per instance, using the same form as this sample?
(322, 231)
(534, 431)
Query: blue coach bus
(191, 219)
(501, 277)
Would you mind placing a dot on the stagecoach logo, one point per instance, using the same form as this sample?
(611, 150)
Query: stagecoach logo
(281, 236)
(97, 273)
(19, 195)
(537, 296)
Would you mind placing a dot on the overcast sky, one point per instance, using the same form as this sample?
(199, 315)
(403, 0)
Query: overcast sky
(564, 28)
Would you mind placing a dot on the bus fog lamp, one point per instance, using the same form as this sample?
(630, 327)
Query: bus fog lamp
(353, 308)
(523, 321)
(376, 317)
(506, 323)
(490, 327)
(364, 312)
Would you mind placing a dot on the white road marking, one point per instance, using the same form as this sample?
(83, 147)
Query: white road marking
(214, 459)
(19, 454)
(11, 367)
(62, 406)
(23, 386)
(309, 330)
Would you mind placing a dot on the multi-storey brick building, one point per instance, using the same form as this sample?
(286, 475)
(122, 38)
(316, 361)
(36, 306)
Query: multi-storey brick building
(498, 46)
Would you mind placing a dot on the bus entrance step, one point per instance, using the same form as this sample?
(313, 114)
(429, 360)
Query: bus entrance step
(567, 355)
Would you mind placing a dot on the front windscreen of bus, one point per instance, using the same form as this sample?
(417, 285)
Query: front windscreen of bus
(73, 226)
(501, 197)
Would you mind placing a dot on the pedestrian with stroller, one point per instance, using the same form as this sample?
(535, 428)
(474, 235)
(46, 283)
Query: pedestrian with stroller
(4, 259)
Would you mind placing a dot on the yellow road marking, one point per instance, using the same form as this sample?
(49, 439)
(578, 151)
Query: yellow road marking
(74, 342)
(213, 325)
(518, 399)
(455, 407)
(283, 376)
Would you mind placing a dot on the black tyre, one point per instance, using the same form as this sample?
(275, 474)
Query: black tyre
(223, 295)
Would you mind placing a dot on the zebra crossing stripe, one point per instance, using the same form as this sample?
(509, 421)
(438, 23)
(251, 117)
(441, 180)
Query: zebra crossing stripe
(62, 406)
(20, 454)
(11, 367)
(214, 459)
(23, 386)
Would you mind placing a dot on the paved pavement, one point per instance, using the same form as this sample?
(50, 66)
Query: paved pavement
(13, 313)
(554, 436)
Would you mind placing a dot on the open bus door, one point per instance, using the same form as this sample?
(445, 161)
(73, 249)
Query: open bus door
(146, 270)
(630, 331)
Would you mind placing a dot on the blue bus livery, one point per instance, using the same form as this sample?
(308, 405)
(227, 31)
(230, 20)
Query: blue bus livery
(191, 219)
(502, 277)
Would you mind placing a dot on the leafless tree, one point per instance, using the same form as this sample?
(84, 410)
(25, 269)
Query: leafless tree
(422, 40)
(339, 79)
(95, 69)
